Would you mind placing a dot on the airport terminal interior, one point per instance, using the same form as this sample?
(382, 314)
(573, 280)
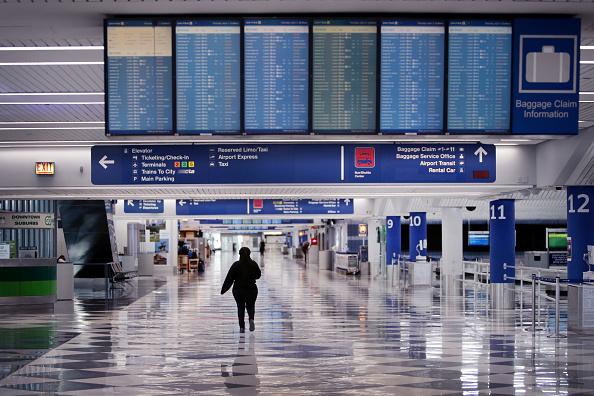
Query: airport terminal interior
(296, 197)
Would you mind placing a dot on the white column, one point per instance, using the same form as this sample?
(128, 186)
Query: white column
(171, 226)
(373, 245)
(451, 242)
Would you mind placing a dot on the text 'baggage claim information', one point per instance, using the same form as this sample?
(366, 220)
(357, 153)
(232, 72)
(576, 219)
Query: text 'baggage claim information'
(546, 76)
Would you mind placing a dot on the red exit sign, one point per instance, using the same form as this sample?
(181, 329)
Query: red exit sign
(45, 168)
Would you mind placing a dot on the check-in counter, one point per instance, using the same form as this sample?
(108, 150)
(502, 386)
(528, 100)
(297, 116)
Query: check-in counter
(146, 264)
(27, 281)
(325, 258)
(65, 279)
(536, 259)
(421, 272)
(580, 310)
(348, 262)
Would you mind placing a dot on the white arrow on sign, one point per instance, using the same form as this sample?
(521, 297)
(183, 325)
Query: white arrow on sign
(182, 202)
(104, 162)
(347, 202)
(481, 152)
(130, 202)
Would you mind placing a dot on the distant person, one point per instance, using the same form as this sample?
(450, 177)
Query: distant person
(242, 275)
(262, 247)
(61, 259)
(182, 249)
(305, 248)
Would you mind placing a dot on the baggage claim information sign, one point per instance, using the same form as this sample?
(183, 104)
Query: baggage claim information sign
(546, 76)
(293, 164)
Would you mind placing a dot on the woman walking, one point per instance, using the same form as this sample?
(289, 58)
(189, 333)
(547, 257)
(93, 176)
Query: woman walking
(242, 275)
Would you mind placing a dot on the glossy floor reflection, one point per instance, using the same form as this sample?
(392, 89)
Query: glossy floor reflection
(317, 332)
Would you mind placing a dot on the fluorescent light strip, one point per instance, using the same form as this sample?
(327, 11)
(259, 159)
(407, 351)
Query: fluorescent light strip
(48, 63)
(56, 48)
(587, 62)
(50, 93)
(49, 103)
(586, 101)
(48, 129)
(48, 122)
(515, 140)
(164, 140)
(587, 47)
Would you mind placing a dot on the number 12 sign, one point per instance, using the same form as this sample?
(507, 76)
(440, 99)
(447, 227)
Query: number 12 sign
(580, 221)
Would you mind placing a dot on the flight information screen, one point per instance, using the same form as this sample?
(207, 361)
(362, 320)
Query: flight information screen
(479, 76)
(412, 76)
(139, 77)
(276, 71)
(207, 64)
(344, 76)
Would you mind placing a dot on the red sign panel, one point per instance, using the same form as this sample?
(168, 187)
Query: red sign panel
(364, 157)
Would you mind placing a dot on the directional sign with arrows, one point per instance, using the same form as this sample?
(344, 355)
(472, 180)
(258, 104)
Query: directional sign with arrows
(104, 162)
(144, 206)
(293, 164)
(480, 152)
(194, 207)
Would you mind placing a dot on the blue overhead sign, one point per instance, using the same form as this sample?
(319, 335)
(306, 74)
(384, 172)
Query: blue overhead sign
(302, 206)
(292, 164)
(255, 221)
(143, 206)
(192, 207)
(546, 76)
(420, 163)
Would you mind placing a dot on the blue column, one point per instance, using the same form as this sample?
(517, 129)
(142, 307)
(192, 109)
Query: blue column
(393, 236)
(580, 230)
(502, 240)
(418, 235)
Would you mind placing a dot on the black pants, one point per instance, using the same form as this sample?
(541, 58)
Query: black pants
(245, 299)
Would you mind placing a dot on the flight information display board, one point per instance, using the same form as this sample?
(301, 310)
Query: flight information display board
(276, 71)
(207, 64)
(139, 77)
(344, 76)
(479, 76)
(412, 76)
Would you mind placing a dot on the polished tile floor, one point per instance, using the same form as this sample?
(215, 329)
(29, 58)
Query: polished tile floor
(317, 332)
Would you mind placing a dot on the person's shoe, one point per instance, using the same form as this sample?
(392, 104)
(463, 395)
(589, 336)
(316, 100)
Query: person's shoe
(252, 325)
(242, 329)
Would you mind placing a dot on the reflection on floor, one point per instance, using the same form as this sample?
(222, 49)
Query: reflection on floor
(317, 333)
(26, 333)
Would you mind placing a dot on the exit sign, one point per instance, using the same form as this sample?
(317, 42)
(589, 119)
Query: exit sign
(45, 168)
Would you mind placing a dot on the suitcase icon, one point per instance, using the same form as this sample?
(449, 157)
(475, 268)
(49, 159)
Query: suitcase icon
(547, 66)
